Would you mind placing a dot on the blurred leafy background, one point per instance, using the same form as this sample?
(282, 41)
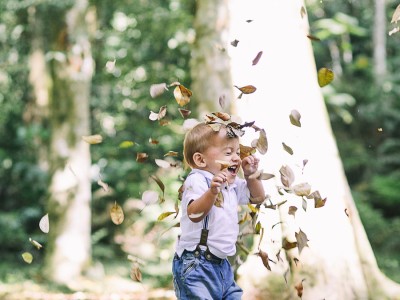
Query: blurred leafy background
(150, 42)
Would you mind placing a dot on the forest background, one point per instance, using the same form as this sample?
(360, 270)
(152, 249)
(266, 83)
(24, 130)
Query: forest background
(140, 43)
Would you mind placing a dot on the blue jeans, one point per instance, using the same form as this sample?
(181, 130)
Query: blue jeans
(198, 277)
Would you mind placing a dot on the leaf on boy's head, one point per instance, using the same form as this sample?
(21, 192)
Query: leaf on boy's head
(215, 126)
(223, 116)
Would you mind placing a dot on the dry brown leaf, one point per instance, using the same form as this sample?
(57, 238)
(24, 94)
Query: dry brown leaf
(234, 43)
(302, 240)
(117, 214)
(141, 157)
(246, 151)
(171, 153)
(313, 38)
(224, 164)
(257, 58)
(247, 89)
(223, 116)
(287, 176)
(136, 274)
(262, 142)
(288, 245)
(396, 15)
(182, 95)
(264, 258)
(184, 112)
(299, 288)
(292, 210)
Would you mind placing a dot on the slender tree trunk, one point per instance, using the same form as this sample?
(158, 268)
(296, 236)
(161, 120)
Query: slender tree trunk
(209, 62)
(337, 262)
(379, 30)
(68, 251)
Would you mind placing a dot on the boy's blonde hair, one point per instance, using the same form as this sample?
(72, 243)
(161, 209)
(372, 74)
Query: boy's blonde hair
(198, 139)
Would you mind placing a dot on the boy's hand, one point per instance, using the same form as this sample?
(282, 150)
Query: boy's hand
(250, 165)
(216, 183)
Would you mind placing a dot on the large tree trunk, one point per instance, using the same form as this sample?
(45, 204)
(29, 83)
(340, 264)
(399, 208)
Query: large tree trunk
(69, 71)
(338, 262)
(212, 80)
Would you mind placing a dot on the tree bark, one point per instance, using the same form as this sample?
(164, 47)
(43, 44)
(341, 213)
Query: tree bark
(209, 56)
(68, 251)
(379, 31)
(338, 262)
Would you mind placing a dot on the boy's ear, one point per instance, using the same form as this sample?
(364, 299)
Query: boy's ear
(198, 159)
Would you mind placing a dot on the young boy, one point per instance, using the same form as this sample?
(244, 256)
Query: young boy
(209, 222)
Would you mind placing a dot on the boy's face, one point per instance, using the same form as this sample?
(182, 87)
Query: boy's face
(223, 148)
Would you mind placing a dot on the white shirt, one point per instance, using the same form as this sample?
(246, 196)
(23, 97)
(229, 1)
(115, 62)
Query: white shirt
(222, 221)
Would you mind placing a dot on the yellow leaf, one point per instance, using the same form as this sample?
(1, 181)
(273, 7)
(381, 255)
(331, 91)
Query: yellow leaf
(36, 244)
(325, 76)
(165, 215)
(126, 144)
(117, 214)
(27, 257)
(224, 164)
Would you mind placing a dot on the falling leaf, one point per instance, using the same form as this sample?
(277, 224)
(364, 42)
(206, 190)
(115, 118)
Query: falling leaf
(299, 288)
(103, 185)
(258, 228)
(287, 176)
(222, 101)
(158, 116)
(136, 274)
(292, 210)
(171, 153)
(234, 43)
(264, 258)
(249, 21)
(304, 204)
(162, 163)
(346, 211)
(195, 216)
(318, 201)
(302, 240)
(247, 89)
(246, 151)
(150, 197)
(184, 112)
(219, 202)
(224, 164)
(153, 141)
(36, 244)
(27, 257)
(117, 214)
(325, 76)
(141, 157)
(110, 65)
(158, 89)
(223, 116)
(302, 189)
(313, 38)
(295, 118)
(92, 139)
(126, 144)
(262, 142)
(286, 275)
(288, 245)
(159, 183)
(44, 224)
(165, 215)
(287, 149)
(394, 30)
(396, 15)
(257, 58)
(303, 12)
(182, 95)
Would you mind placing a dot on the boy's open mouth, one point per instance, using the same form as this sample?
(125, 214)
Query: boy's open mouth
(233, 169)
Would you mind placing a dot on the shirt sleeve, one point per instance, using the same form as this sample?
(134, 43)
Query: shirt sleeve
(194, 187)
